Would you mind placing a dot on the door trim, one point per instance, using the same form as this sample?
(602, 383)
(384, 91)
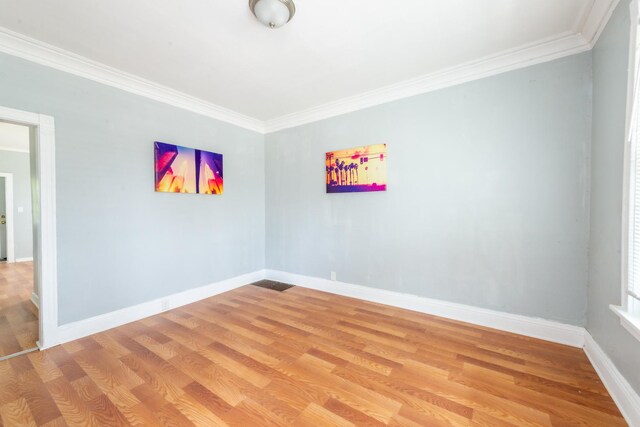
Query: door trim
(8, 200)
(42, 141)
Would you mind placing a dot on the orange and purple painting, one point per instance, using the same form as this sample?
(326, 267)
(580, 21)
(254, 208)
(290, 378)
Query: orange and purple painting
(357, 169)
(187, 170)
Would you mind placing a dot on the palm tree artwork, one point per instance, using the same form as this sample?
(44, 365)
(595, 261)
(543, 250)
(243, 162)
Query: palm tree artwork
(343, 168)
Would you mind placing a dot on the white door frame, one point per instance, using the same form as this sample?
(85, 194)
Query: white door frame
(8, 199)
(44, 218)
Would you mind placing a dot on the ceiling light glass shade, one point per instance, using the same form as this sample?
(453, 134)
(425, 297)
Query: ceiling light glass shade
(273, 13)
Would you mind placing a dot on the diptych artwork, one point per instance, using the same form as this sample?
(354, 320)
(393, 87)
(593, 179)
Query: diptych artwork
(187, 170)
(357, 169)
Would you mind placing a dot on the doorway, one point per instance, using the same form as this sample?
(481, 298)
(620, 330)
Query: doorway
(19, 324)
(7, 252)
(41, 265)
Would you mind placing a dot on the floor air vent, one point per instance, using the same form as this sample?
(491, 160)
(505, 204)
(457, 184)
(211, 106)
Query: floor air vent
(274, 286)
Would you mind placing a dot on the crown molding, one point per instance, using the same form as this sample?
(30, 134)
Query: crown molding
(42, 53)
(586, 30)
(597, 19)
(546, 50)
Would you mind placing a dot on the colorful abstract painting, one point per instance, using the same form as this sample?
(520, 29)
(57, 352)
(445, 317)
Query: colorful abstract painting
(187, 170)
(357, 169)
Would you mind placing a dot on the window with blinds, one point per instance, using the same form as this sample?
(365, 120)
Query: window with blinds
(633, 273)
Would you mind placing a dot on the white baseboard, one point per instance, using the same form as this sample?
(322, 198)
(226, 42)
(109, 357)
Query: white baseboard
(620, 390)
(537, 328)
(523, 325)
(35, 299)
(23, 259)
(93, 325)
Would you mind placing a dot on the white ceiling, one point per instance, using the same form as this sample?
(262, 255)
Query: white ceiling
(216, 51)
(14, 137)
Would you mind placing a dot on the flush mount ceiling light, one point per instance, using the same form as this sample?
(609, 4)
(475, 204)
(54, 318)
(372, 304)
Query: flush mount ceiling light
(273, 13)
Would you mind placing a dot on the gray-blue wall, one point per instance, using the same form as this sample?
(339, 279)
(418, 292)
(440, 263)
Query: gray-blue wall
(610, 63)
(119, 242)
(487, 199)
(17, 164)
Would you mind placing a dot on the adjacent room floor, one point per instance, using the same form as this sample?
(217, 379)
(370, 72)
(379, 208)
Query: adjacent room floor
(18, 315)
(254, 357)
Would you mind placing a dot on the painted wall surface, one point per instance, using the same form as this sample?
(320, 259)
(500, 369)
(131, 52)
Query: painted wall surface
(486, 202)
(610, 62)
(119, 242)
(18, 164)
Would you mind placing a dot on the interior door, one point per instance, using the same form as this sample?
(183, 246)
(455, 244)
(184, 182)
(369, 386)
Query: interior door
(3, 222)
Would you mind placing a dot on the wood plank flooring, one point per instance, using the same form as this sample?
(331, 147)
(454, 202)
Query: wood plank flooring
(256, 357)
(18, 315)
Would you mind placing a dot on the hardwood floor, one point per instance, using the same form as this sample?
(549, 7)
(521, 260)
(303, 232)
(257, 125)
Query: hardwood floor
(257, 357)
(18, 315)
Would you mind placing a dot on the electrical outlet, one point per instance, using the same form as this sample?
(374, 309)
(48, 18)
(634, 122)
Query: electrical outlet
(333, 276)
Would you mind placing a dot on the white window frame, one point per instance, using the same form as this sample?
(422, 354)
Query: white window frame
(629, 310)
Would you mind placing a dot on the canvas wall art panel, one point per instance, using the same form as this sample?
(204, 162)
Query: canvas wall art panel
(187, 170)
(357, 169)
